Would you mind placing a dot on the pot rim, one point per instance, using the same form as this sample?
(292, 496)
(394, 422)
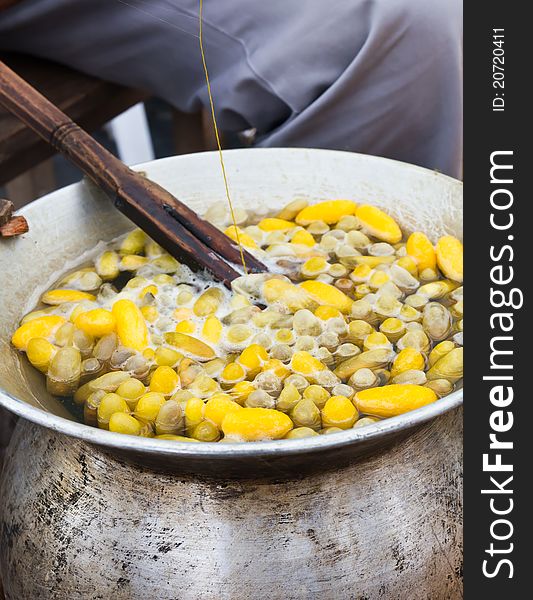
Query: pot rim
(214, 450)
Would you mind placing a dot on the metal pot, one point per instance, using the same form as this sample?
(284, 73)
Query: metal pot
(84, 513)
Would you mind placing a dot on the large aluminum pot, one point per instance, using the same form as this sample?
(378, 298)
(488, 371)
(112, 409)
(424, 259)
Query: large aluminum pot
(368, 513)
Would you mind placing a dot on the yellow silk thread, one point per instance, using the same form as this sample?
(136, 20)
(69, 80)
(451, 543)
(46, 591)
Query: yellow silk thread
(215, 126)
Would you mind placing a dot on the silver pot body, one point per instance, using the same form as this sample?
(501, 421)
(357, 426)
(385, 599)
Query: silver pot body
(370, 513)
(79, 523)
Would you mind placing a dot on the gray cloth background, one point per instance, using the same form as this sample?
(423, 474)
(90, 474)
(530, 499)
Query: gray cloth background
(381, 77)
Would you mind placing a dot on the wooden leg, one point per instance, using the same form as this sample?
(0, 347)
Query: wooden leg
(188, 134)
(31, 185)
(209, 136)
(193, 132)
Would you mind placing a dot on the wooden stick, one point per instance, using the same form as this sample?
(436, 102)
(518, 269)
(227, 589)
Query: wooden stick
(167, 220)
(15, 226)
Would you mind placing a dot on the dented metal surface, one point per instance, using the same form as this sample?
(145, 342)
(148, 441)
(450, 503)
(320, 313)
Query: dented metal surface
(86, 525)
